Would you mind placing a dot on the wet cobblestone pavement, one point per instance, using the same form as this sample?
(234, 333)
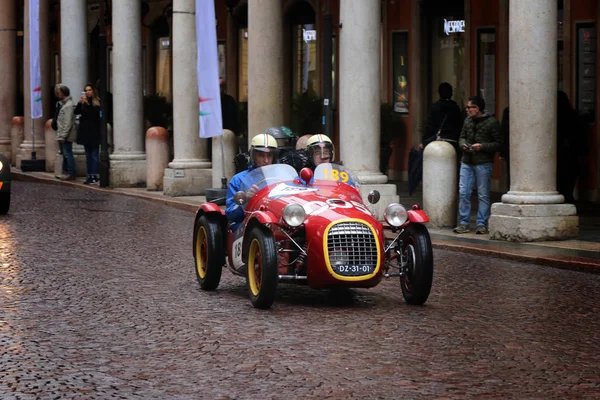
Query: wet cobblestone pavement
(98, 300)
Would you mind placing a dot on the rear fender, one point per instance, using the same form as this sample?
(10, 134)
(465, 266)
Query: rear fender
(214, 211)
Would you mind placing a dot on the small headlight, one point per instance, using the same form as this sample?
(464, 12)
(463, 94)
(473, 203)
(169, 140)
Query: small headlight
(1, 166)
(294, 214)
(395, 214)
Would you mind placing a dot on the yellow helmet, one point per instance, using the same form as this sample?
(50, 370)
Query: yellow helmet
(264, 143)
(320, 142)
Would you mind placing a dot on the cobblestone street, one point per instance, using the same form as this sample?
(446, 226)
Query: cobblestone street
(99, 300)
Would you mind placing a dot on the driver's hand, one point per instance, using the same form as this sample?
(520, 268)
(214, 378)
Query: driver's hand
(252, 191)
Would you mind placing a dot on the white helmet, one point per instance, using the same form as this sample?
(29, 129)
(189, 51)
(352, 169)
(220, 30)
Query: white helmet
(320, 143)
(264, 143)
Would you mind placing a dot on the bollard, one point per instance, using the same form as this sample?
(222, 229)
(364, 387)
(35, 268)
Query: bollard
(51, 146)
(157, 157)
(230, 147)
(440, 188)
(17, 134)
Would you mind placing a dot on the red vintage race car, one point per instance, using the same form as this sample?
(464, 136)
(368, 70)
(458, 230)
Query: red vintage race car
(314, 230)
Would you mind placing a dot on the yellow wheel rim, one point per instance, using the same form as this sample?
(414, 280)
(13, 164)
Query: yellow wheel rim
(201, 252)
(254, 268)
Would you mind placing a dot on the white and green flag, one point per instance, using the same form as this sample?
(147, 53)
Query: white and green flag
(209, 96)
(34, 59)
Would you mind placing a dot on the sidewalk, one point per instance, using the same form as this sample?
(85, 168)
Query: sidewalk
(582, 254)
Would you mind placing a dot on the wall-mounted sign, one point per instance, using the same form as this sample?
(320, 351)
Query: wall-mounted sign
(309, 35)
(454, 26)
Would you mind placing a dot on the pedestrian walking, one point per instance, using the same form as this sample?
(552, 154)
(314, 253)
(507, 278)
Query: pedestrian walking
(66, 133)
(89, 133)
(479, 140)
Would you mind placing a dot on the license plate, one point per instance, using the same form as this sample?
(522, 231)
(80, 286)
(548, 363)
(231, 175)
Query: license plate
(353, 270)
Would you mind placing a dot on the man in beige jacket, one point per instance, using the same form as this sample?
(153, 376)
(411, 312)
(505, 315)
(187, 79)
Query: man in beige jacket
(66, 132)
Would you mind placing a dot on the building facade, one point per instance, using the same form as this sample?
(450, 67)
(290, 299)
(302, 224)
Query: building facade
(273, 52)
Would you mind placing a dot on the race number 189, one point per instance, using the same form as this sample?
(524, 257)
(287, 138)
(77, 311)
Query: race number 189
(335, 175)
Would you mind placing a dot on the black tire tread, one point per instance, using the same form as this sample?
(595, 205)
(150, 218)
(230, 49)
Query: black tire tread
(422, 279)
(216, 252)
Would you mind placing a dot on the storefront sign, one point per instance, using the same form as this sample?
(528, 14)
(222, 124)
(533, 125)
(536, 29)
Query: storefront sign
(454, 26)
(309, 35)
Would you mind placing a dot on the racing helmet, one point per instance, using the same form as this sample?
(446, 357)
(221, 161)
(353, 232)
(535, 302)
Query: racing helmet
(284, 136)
(264, 143)
(320, 143)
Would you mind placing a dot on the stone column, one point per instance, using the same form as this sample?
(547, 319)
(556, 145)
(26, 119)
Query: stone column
(532, 209)
(27, 145)
(8, 70)
(189, 173)
(359, 99)
(128, 161)
(265, 66)
(74, 59)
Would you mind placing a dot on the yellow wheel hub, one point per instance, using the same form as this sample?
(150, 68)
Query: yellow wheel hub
(201, 252)
(254, 267)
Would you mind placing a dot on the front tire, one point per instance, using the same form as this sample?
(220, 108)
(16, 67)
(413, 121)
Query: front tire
(261, 270)
(4, 202)
(417, 278)
(209, 254)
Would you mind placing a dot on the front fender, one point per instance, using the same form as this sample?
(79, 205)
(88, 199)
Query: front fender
(257, 218)
(417, 216)
(264, 217)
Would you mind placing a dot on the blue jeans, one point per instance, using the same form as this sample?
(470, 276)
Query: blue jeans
(66, 148)
(481, 175)
(92, 159)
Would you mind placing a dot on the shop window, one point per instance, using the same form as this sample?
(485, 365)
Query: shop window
(448, 56)
(305, 59)
(109, 69)
(222, 58)
(486, 67)
(561, 48)
(400, 71)
(586, 70)
(243, 65)
(55, 68)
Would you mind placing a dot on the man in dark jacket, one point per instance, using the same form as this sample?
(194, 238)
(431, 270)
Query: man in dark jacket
(444, 120)
(480, 139)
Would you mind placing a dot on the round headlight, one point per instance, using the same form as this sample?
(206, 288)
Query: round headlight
(294, 214)
(395, 214)
(1, 165)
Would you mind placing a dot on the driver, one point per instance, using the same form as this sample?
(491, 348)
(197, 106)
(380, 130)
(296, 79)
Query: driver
(263, 151)
(320, 150)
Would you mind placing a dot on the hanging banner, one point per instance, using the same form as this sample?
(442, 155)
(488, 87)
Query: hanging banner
(35, 80)
(209, 95)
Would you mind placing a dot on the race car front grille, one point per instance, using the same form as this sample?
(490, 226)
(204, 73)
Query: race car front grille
(352, 249)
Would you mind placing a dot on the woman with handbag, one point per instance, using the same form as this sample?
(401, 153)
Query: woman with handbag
(89, 133)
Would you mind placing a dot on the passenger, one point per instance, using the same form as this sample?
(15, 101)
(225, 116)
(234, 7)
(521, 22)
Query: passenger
(263, 151)
(320, 150)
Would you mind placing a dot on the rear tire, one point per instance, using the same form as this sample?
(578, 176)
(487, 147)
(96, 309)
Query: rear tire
(416, 249)
(4, 202)
(261, 268)
(209, 253)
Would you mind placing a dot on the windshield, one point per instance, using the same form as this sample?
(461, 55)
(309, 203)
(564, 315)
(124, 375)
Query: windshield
(336, 173)
(268, 175)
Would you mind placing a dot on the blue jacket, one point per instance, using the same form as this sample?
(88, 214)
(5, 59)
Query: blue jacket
(235, 212)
